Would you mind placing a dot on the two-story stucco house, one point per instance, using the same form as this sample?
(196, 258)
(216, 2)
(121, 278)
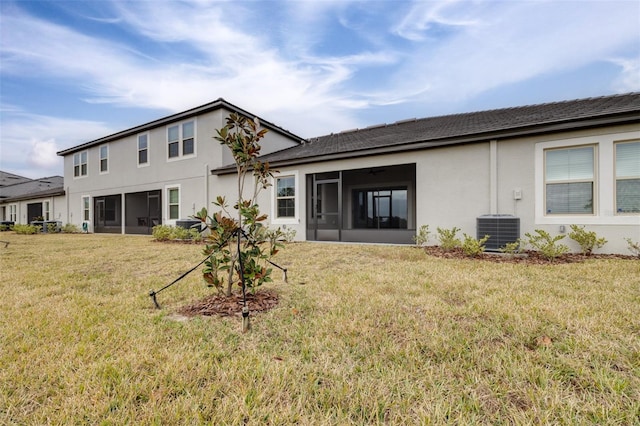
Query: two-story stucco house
(509, 171)
(155, 173)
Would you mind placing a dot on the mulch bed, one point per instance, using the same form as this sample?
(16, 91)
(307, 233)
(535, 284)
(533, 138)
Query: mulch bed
(218, 305)
(526, 257)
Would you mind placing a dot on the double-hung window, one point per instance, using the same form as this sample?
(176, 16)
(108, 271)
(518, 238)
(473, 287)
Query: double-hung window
(569, 180)
(86, 208)
(104, 158)
(80, 164)
(143, 149)
(286, 197)
(627, 177)
(181, 139)
(46, 210)
(173, 195)
(13, 213)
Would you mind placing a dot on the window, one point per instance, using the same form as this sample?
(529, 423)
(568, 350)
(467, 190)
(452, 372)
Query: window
(380, 208)
(286, 197)
(181, 137)
(80, 164)
(627, 177)
(85, 209)
(104, 159)
(143, 149)
(13, 213)
(569, 180)
(173, 195)
(46, 212)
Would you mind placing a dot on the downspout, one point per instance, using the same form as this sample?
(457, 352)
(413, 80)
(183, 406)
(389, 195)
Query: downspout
(493, 176)
(207, 176)
(66, 199)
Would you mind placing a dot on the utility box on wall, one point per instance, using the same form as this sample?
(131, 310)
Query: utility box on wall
(502, 229)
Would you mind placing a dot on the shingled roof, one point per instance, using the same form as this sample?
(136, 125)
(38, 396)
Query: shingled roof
(17, 188)
(453, 129)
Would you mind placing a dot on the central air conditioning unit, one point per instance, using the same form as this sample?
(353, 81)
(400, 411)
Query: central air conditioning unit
(501, 228)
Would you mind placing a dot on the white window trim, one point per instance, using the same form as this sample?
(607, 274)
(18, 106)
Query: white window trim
(103, 172)
(73, 164)
(46, 213)
(604, 182)
(165, 219)
(13, 215)
(615, 177)
(274, 205)
(180, 155)
(148, 150)
(82, 219)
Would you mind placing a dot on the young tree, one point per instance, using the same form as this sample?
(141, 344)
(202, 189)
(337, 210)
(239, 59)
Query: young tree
(240, 245)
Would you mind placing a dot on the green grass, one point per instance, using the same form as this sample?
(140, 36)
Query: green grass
(362, 335)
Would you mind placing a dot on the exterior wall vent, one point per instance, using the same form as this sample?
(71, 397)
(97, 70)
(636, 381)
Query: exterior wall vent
(502, 229)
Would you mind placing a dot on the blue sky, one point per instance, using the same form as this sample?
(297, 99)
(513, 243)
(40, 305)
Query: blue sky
(74, 71)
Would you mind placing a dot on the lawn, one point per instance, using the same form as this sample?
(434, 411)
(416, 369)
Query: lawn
(361, 335)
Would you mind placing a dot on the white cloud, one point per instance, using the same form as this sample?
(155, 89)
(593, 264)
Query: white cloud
(629, 79)
(43, 153)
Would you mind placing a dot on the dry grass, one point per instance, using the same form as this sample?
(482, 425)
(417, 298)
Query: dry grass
(362, 335)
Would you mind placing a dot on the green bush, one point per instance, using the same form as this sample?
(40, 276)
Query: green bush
(171, 233)
(447, 238)
(588, 240)
(26, 229)
(4, 227)
(161, 232)
(633, 246)
(422, 237)
(512, 248)
(473, 247)
(547, 245)
(70, 228)
(52, 228)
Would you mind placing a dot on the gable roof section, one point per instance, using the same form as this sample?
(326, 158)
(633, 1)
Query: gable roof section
(407, 135)
(212, 106)
(27, 189)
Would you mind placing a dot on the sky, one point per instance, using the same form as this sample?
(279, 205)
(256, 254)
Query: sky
(75, 71)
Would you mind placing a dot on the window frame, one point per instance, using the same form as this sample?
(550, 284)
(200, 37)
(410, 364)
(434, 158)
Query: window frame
(169, 204)
(79, 163)
(104, 159)
(85, 208)
(13, 213)
(616, 178)
(146, 150)
(592, 180)
(46, 210)
(286, 220)
(181, 140)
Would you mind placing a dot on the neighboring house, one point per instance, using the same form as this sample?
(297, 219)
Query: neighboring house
(549, 166)
(23, 200)
(156, 173)
(541, 167)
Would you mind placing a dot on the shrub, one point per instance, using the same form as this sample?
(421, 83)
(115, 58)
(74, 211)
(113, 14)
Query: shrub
(588, 240)
(161, 232)
(447, 238)
(547, 245)
(70, 228)
(288, 234)
(633, 246)
(473, 247)
(179, 233)
(26, 229)
(422, 237)
(4, 227)
(52, 228)
(512, 248)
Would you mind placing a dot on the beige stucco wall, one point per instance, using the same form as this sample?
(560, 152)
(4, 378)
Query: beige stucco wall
(456, 184)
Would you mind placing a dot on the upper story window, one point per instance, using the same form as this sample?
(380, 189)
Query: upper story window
(627, 177)
(80, 164)
(181, 139)
(104, 158)
(569, 180)
(143, 149)
(286, 197)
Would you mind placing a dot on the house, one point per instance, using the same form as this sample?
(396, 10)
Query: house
(159, 172)
(23, 200)
(514, 170)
